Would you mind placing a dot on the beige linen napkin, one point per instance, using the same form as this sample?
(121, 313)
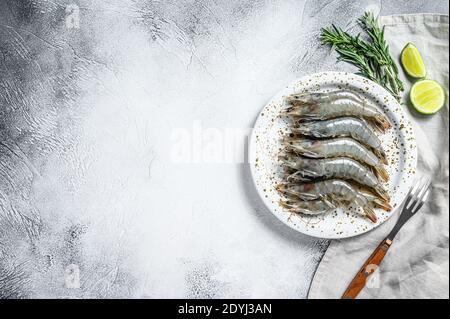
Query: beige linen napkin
(417, 264)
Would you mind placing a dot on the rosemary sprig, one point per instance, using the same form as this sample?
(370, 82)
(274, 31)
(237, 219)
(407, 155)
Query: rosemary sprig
(372, 58)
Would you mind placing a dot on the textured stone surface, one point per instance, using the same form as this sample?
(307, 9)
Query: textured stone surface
(88, 186)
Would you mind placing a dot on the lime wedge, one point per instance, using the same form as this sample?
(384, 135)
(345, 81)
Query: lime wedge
(412, 61)
(427, 96)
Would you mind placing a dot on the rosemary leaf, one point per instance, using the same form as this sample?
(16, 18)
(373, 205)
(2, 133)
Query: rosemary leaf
(372, 58)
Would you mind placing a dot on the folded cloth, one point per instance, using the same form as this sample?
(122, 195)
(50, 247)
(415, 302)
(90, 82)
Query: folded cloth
(417, 264)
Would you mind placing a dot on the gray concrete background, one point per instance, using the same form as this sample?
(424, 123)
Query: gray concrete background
(92, 203)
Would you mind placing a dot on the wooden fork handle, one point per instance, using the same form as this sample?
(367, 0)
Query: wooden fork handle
(369, 267)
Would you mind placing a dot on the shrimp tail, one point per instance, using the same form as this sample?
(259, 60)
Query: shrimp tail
(382, 204)
(369, 212)
(382, 193)
(381, 123)
(375, 200)
(381, 155)
(381, 173)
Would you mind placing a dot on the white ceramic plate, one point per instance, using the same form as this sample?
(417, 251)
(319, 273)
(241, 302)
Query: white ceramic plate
(399, 144)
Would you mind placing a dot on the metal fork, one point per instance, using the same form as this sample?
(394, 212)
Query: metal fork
(415, 199)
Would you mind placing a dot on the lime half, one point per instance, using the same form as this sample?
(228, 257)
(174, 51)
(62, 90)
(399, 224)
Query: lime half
(412, 61)
(427, 96)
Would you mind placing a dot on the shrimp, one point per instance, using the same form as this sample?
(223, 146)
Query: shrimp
(343, 127)
(335, 148)
(340, 167)
(323, 97)
(336, 191)
(322, 206)
(321, 106)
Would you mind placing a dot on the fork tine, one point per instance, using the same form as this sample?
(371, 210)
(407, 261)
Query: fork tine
(411, 194)
(424, 188)
(422, 196)
(422, 202)
(418, 198)
(417, 191)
